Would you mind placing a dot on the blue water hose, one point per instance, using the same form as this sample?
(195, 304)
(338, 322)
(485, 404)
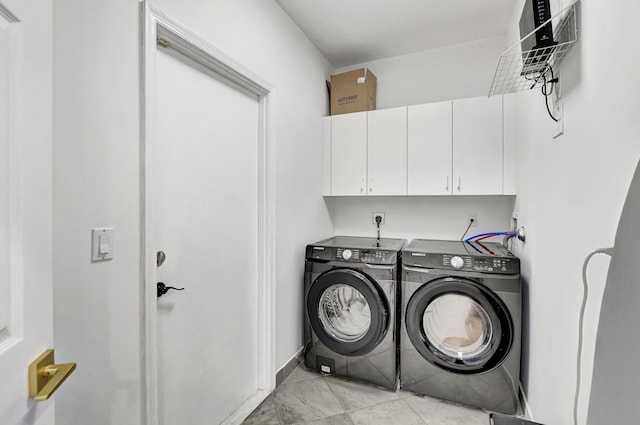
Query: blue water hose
(490, 234)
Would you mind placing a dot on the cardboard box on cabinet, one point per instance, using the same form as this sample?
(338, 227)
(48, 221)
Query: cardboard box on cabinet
(353, 91)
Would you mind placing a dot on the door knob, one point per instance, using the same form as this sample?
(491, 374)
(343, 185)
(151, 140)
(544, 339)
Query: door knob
(163, 289)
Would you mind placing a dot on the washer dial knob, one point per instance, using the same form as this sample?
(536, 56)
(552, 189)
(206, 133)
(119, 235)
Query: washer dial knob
(457, 262)
(347, 254)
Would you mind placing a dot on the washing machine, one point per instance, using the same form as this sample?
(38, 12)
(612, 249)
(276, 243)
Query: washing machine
(461, 323)
(350, 286)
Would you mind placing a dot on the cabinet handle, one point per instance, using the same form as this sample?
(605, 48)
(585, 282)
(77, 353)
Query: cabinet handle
(371, 184)
(361, 185)
(446, 186)
(459, 183)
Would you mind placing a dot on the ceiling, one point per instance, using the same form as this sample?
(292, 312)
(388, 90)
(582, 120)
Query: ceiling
(351, 32)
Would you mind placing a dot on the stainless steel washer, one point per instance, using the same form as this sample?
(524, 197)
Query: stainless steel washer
(461, 323)
(350, 308)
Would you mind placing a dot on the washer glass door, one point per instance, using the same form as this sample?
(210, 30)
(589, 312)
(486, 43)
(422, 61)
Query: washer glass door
(348, 311)
(344, 312)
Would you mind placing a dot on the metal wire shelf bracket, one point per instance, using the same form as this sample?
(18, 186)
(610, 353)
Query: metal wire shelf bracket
(518, 70)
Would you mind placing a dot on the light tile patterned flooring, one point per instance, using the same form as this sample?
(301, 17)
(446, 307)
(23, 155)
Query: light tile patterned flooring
(309, 398)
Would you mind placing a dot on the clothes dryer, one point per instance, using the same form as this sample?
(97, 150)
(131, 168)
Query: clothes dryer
(350, 308)
(461, 323)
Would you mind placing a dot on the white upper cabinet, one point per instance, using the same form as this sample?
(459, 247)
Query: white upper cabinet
(326, 157)
(477, 146)
(387, 152)
(459, 147)
(349, 154)
(430, 149)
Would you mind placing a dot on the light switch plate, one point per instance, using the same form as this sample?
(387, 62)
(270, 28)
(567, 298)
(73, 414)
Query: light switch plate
(102, 244)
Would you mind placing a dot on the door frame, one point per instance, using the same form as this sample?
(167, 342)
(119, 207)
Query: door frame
(157, 25)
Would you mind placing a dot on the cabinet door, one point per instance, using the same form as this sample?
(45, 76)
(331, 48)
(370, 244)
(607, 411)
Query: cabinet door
(387, 152)
(349, 154)
(429, 149)
(477, 146)
(326, 156)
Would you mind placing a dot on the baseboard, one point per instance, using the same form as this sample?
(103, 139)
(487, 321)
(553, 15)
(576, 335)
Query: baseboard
(254, 401)
(500, 419)
(288, 367)
(525, 405)
(243, 412)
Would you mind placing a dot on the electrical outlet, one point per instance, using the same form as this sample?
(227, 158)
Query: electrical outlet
(559, 125)
(377, 214)
(474, 217)
(556, 96)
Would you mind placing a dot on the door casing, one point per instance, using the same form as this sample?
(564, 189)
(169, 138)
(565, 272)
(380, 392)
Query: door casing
(157, 25)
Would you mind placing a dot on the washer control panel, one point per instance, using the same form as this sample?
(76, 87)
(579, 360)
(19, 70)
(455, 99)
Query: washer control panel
(377, 256)
(364, 255)
(352, 255)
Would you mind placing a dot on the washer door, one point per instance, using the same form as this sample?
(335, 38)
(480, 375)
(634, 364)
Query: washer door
(347, 311)
(459, 325)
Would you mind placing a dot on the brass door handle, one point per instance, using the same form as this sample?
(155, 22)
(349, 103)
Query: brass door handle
(45, 377)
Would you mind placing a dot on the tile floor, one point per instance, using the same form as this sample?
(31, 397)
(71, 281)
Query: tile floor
(309, 398)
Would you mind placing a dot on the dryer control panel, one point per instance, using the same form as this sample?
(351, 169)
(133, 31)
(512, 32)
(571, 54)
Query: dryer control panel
(470, 263)
(493, 265)
(458, 255)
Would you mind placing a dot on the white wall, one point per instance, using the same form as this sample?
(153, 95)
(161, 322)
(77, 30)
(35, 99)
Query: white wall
(464, 70)
(97, 175)
(571, 191)
(437, 217)
(96, 183)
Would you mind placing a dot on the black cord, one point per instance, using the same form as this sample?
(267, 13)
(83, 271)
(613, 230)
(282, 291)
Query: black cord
(546, 94)
(552, 81)
(468, 227)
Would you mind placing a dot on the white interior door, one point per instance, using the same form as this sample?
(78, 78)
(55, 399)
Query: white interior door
(207, 225)
(26, 310)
